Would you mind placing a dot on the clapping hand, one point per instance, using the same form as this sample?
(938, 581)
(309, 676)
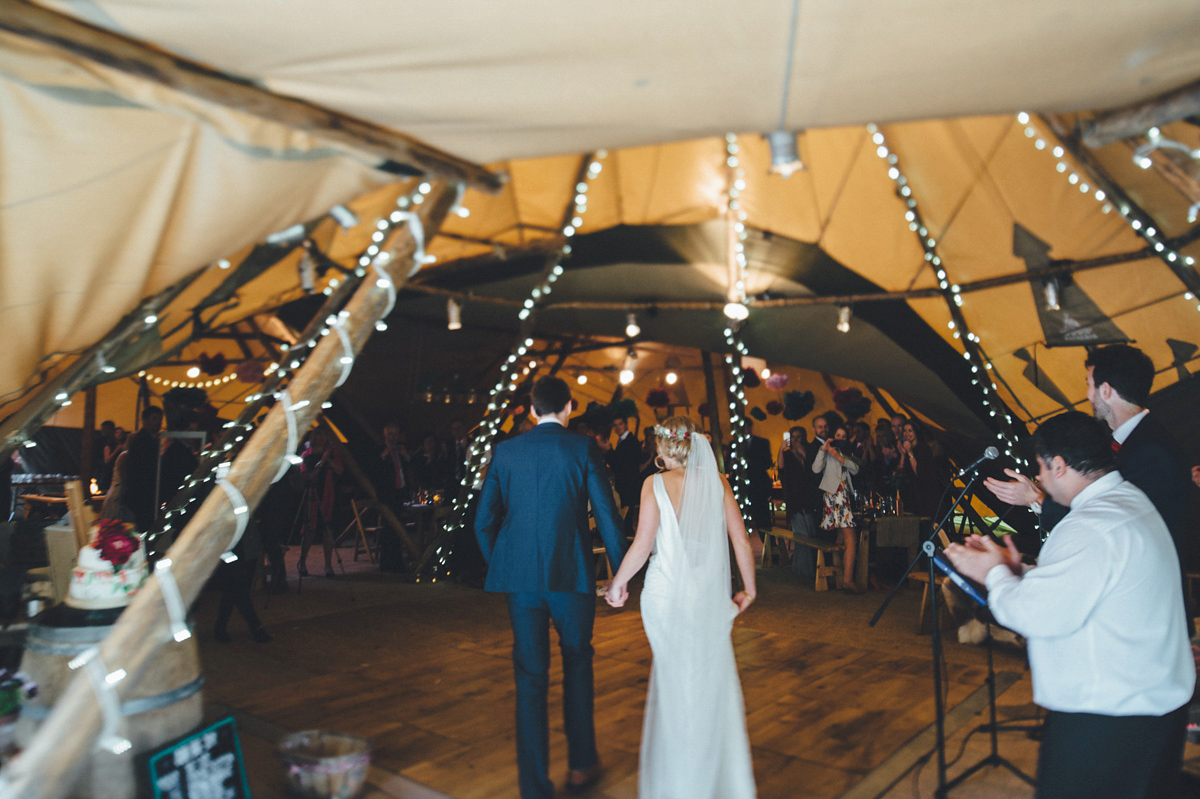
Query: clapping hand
(978, 555)
(1021, 490)
(616, 595)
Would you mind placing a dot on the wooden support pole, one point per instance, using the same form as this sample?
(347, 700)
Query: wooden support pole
(368, 488)
(1135, 120)
(188, 77)
(49, 765)
(87, 449)
(714, 409)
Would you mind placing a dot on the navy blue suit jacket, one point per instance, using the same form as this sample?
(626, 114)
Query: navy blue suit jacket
(532, 521)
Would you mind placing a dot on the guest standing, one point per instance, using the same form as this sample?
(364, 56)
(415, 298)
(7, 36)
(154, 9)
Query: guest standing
(835, 466)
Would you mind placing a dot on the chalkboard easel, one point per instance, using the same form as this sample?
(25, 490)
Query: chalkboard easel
(203, 764)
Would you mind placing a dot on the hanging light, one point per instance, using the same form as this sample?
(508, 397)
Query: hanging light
(453, 315)
(785, 152)
(631, 326)
(343, 216)
(843, 322)
(672, 378)
(765, 373)
(193, 372)
(626, 375)
(581, 380)
(737, 311)
(1051, 292)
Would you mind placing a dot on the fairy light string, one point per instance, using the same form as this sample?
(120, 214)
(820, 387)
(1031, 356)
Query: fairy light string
(998, 412)
(1111, 197)
(739, 425)
(433, 564)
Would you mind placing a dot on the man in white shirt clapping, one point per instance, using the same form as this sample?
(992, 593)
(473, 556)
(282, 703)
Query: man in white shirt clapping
(1103, 616)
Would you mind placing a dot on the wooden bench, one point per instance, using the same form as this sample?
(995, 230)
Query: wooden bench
(773, 545)
(825, 571)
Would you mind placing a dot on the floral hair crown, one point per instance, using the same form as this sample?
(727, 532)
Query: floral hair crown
(666, 432)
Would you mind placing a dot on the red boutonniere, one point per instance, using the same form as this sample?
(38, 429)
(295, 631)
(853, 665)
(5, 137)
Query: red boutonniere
(114, 542)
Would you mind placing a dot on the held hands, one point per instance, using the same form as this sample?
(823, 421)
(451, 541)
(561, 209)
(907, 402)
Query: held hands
(743, 601)
(1021, 490)
(978, 555)
(616, 595)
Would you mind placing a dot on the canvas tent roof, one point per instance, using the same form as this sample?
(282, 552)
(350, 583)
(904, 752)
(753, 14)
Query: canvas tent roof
(117, 188)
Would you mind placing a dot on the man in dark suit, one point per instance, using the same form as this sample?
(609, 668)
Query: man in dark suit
(625, 462)
(533, 530)
(1119, 379)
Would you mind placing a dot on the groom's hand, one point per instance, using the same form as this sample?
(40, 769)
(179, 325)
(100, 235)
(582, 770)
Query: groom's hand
(616, 595)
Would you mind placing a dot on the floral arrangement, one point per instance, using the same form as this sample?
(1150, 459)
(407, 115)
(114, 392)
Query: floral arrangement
(775, 407)
(776, 382)
(114, 541)
(666, 432)
(14, 686)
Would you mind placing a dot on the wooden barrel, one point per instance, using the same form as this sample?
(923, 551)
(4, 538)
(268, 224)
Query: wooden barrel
(165, 704)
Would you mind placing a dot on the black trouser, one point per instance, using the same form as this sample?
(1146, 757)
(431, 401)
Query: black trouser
(1090, 756)
(235, 580)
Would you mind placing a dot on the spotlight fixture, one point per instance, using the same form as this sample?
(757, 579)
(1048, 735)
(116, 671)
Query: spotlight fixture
(672, 378)
(737, 311)
(453, 315)
(581, 380)
(843, 322)
(631, 326)
(193, 372)
(765, 373)
(785, 152)
(1051, 292)
(626, 375)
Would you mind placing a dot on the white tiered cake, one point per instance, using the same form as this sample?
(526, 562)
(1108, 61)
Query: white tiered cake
(97, 583)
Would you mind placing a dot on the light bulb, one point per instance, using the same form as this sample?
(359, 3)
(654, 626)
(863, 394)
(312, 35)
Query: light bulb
(581, 380)
(672, 378)
(736, 311)
(843, 323)
(631, 326)
(626, 377)
(193, 372)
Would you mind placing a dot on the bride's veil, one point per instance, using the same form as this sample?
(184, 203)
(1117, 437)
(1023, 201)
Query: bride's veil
(702, 527)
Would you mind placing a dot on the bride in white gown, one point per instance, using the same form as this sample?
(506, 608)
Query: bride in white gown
(694, 742)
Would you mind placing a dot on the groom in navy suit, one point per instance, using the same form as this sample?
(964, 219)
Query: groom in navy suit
(533, 530)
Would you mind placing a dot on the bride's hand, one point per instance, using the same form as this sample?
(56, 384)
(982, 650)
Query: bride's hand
(743, 601)
(616, 595)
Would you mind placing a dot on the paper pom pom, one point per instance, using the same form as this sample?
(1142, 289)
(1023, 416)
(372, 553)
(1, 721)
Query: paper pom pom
(623, 408)
(657, 398)
(797, 405)
(750, 378)
(851, 403)
(776, 382)
(250, 371)
(757, 413)
(774, 407)
(212, 365)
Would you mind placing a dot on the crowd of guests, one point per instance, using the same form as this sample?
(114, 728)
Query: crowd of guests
(825, 479)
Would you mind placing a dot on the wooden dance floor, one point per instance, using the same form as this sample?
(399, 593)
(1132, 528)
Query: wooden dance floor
(424, 671)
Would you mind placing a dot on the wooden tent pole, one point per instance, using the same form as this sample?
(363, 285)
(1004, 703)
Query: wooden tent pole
(364, 482)
(54, 758)
(714, 413)
(1135, 120)
(87, 449)
(148, 62)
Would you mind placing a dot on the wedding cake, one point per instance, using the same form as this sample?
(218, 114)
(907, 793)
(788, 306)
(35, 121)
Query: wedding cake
(110, 569)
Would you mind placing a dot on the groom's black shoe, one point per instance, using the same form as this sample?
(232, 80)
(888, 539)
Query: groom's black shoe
(579, 781)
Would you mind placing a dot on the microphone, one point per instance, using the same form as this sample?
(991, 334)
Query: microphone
(991, 453)
(954, 576)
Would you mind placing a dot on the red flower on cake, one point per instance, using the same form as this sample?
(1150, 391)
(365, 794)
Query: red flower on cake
(114, 543)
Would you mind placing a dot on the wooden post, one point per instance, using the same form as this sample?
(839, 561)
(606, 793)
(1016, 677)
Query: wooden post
(87, 452)
(714, 410)
(364, 482)
(49, 765)
(151, 63)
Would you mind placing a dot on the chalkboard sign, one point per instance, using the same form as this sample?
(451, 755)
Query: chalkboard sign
(204, 765)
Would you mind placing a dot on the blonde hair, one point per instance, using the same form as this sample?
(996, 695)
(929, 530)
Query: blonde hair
(675, 437)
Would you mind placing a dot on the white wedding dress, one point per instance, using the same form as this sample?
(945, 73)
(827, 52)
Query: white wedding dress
(694, 742)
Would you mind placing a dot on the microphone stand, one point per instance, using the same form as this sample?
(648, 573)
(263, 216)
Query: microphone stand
(927, 547)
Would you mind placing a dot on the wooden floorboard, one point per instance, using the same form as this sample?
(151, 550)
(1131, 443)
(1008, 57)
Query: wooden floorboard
(425, 672)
